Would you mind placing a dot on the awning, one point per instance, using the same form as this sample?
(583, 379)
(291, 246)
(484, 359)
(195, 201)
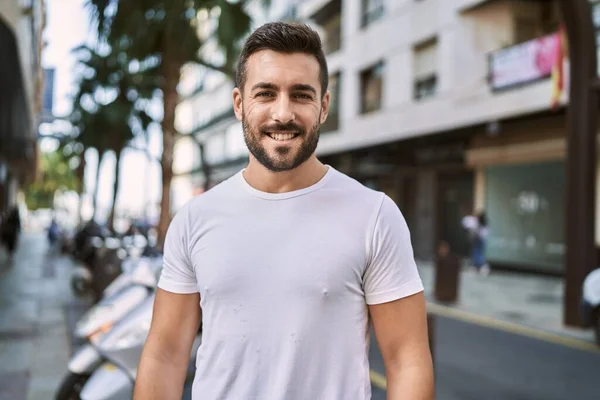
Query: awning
(17, 139)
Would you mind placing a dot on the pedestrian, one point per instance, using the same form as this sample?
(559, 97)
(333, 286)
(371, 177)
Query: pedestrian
(53, 234)
(480, 235)
(9, 231)
(288, 261)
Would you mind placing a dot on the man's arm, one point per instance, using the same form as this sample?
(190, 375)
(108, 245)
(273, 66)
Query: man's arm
(166, 354)
(401, 331)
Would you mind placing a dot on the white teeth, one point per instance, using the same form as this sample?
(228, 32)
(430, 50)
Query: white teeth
(282, 136)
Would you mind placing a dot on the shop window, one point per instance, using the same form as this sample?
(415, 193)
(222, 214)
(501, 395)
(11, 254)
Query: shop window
(371, 88)
(596, 20)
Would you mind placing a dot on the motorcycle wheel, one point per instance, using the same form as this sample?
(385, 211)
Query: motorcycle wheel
(71, 386)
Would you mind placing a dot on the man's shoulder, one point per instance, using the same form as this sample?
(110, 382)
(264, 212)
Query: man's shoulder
(350, 187)
(215, 197)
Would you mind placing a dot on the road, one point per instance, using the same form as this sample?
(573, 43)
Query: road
(474, 362)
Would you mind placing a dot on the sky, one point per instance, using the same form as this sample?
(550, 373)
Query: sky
(68, 26)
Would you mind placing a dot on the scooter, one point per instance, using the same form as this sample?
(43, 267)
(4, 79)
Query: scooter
(120, 298)
(590, 302)
(101, 261)
(121, 349)
(104, 261)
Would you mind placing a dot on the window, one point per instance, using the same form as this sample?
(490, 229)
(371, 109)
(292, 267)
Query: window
(371, 83)
(329, 19)
(526, 29)
(372, 10)
(333, 34)
(425, 70)
(333, 118)
(596, 19)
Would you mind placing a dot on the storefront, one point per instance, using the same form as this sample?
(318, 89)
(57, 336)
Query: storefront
(17, 142)
(520, 185)
(525, 209)
(428, 180)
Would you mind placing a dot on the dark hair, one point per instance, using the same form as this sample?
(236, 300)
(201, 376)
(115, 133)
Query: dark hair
(283, 37)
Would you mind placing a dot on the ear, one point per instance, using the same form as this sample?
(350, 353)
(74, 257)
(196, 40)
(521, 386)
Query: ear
(325, 107)
(237, 103)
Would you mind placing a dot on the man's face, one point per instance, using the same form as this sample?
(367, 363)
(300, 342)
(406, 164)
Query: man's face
(281, 108)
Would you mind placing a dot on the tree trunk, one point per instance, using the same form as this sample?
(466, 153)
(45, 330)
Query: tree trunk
(116, 183)
(171, 71)
(205, 167)
(81, 189)
(96, 187)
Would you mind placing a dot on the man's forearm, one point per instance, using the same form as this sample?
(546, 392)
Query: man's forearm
(157, 379)
(411, 383)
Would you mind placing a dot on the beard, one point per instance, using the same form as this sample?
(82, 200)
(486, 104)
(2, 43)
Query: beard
(284, 158)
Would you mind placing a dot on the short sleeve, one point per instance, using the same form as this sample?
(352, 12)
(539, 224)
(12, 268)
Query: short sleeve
(392, 272)
(178, 275)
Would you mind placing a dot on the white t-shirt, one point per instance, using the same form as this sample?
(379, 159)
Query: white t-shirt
(284, 281)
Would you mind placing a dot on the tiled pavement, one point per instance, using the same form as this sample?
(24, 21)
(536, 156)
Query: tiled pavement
(34, 340)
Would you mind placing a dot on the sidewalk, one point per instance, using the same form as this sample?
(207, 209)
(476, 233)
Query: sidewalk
(34, 342)
(531, 301)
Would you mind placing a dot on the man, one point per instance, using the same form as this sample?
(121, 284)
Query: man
(286, 261)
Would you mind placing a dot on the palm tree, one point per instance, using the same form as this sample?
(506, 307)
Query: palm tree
(169, 31)
(89, 134)
(110, 106)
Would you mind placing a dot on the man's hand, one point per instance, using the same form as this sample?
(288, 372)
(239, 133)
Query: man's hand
(401, 330)
(164, 361)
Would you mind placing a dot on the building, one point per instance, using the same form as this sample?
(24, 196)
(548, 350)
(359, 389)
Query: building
(21, 81)
(446, 105)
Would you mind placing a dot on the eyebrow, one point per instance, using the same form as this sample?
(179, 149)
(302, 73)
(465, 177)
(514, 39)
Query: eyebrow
(298, 86)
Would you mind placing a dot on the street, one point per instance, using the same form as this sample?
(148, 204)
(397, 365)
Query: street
(38, 313)
(474, 362)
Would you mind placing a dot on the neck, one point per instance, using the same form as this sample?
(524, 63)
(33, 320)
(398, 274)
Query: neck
(305, 175)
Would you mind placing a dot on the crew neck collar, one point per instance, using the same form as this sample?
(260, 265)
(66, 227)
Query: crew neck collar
(285, 195)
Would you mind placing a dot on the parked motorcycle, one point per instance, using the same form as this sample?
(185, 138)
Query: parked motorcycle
(103, 261)
(100, 263)
(122, 349)
(590, 303)
(119, 299)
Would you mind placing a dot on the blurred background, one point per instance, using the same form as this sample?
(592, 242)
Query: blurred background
(478, 118)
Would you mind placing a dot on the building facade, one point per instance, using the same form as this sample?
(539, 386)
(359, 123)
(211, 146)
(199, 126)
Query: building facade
(21, 81)
(448, 106)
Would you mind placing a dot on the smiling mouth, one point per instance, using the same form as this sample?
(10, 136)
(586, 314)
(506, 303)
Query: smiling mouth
(282, 137)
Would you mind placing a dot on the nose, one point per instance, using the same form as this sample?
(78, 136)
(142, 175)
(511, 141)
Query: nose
(282, 110)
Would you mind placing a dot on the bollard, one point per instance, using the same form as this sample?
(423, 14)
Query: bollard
(447, 274)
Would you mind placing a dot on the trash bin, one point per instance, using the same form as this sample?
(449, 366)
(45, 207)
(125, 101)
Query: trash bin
(447, 274)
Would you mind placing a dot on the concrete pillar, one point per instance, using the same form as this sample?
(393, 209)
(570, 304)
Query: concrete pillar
(479, 190)
(425, 220)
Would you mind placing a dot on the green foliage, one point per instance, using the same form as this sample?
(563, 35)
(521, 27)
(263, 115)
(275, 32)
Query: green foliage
(169, 30)
(57, 174)
(109, 108)
(167, 35)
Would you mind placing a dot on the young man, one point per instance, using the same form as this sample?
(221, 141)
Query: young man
(286, 262)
